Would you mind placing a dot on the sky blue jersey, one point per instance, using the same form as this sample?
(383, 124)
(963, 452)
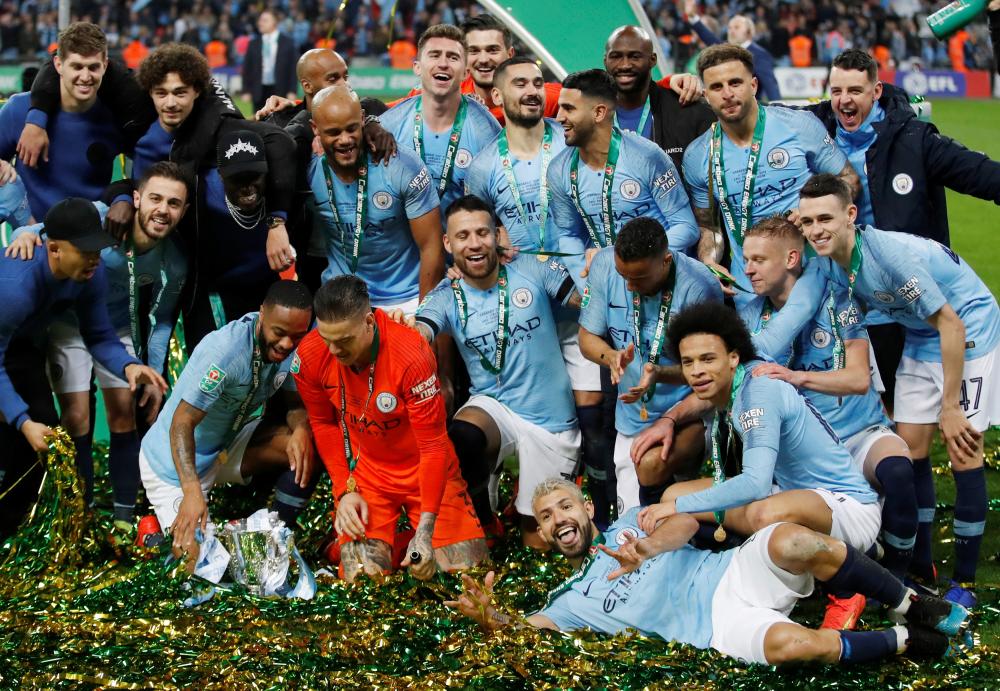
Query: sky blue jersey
(785, 442)
(668, 597)
(487, 180)
(795, 146)
(646, 183)
(813, 350)
(217, 380)
(533, 381)
(910, 278)
(607, 308)
(479, 129)
(388, 257)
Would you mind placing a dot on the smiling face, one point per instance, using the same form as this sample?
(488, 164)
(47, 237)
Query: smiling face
(174, 100)
(80, 77)
(441, 67)
(160, 204)
(471, 239)
(827, 224)
(339, 124)
(852, 95)
(486, 51)
(708, 367)
(521, 92)
(244, 190)
(578, 116)
(565, 522)
(281, 330)
(730, 90)
(629, 59)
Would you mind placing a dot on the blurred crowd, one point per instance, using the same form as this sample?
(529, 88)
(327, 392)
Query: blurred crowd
(798, 34)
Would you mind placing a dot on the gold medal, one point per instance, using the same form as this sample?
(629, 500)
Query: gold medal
(643, 413)
(719, 534)
(542, 257)
(352, 486)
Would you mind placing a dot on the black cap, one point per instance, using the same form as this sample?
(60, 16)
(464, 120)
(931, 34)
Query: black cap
(77, 221)
(241, 151)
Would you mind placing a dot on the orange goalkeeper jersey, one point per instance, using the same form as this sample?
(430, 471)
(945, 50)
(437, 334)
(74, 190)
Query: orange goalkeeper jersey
(400, 439)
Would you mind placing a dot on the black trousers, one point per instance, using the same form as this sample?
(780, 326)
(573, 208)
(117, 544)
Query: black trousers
(266, 90)
(24, 362)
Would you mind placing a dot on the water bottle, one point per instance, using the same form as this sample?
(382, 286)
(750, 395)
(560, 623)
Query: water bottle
(954, 16)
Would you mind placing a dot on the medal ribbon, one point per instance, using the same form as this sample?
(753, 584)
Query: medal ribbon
(503, 148)
(502, 327)
(607, 217)
(716, 164)
(642, 118)
(660, 332)
(456, 134)
(718, 472)
(352, 460)
(256, 364)
(360, 210)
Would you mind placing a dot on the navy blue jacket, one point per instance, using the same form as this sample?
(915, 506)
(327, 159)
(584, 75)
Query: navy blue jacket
(909, 166)
(763, 62)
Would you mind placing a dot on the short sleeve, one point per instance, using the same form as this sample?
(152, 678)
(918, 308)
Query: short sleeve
(594, 305)
(211, 373)
(822, 152)
(419, 195)
(435, 308)
(551, 275)
(695, 169)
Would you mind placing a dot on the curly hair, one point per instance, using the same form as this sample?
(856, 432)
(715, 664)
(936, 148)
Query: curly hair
(190, 65)
(713, 318)
(641, 238)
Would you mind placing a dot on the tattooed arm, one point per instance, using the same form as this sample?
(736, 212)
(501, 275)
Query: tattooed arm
(193, 511)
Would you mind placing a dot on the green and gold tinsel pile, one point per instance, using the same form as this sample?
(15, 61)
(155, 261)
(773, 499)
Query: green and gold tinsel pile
(77, 611)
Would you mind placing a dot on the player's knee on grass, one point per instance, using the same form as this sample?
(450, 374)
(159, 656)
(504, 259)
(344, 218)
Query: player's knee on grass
(784, 643)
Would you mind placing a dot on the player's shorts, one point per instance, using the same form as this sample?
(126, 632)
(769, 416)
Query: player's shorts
(625, 473)
(855, 523)
(541, 454)
(584, 375)
(69, 361)
(408, 307)
(752, 595)
(919, 385)
(860, 443)
(165, 497)
(456, 519)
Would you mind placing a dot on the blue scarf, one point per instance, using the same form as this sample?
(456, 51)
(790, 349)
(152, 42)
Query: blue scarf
(855, 145)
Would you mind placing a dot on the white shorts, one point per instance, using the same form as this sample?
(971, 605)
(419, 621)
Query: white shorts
(919, 384)
(753, 594)
(409, 307)
(860, 443)
(165, 497)
(625, 473)
(541, 454)
(855, 523)
(69, 361)
(584, 375)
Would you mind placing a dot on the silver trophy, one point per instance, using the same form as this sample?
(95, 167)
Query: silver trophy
(259, 554)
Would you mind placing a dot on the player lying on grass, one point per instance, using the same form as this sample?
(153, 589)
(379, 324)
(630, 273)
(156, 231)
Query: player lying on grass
(735, 601)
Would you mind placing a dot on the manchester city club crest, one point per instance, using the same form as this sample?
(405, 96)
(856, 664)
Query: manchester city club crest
(777, 158)
(521, 297)
(463, 158)
(629, 189)
(902, 184)
(386, 402)
(625, 534)
(382, 200)
(820, 338)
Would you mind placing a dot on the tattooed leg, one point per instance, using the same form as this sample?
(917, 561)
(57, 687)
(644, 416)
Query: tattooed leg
(372, 557)
(462, 555)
